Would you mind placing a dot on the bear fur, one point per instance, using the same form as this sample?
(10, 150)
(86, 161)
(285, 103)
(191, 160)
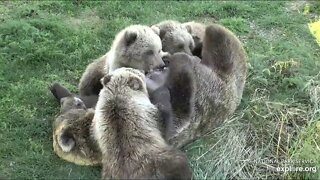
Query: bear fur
(126, 127)
(135, 46)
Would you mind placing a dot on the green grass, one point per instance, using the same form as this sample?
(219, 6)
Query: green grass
(44, 42)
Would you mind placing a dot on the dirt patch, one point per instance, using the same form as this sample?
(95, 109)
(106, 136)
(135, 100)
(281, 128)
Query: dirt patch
(311, 9)
(87, 18)
(271, 34)
(296, 6)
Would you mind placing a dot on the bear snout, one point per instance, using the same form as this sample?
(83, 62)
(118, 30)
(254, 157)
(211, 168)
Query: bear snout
(157, 63)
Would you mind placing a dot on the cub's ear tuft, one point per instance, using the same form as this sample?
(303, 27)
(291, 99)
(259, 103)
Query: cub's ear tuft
(66, 141)
(135, 83)
(156, 29)
(105, 80)
(130, 36)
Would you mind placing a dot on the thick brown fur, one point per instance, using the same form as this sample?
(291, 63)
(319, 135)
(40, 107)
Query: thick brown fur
(126, 127)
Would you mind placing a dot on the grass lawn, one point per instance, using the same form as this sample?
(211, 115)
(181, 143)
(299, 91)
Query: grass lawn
(279, 117)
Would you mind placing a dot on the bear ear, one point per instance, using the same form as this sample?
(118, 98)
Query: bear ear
(188, 27)
(66, 140)
(162, 33)
(135, 83)
(104, 81)
(130, 36)
(156, 29)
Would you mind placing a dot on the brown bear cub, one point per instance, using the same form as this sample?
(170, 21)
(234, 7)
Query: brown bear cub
(126, 127)
(175, 37)
(136, 46)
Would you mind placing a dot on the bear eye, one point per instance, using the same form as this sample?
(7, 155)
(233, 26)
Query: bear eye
(150, 52)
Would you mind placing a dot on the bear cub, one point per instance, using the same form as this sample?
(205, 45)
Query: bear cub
(126, 127)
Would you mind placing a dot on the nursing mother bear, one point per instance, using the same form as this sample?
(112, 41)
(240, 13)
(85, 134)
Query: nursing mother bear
(204, 93)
